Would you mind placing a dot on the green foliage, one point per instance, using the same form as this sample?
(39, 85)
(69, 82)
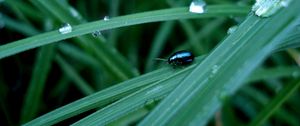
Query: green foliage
(243, 78)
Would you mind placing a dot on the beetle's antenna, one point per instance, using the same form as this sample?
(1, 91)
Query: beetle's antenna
(160, 59)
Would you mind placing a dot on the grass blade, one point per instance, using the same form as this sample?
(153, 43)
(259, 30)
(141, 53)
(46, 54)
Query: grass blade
(34, 93)
(122, 21)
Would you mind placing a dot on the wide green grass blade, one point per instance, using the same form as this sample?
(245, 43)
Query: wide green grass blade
(100, 98)
(122, 21)
(33, 97)
(270, 108)
(201, 93)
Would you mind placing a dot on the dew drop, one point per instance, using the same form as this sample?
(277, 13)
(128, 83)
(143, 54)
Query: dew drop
(97, 33)
(266, 8)
(66, 28)
(106, 18)
(232, 29)
(197, 6)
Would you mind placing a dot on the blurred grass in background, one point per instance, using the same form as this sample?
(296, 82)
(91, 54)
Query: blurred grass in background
(247, 77)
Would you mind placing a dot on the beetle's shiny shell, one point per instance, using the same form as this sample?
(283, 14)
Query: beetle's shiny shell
(181, 58)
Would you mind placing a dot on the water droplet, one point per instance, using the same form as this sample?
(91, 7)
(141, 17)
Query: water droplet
(197, 6)
(215, 69)
(266, 8)
(285, 3)
(66, 28)
(106, 18)
(97, 33)
(232, 29)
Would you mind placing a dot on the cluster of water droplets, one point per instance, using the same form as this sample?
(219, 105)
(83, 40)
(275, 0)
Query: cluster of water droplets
(66, 28)
(197, 6)
(266, 8)
(214, 70)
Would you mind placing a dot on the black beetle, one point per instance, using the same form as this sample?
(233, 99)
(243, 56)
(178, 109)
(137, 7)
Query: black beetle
(181, 58)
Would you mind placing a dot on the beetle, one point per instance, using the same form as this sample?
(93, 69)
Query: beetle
(179, 58)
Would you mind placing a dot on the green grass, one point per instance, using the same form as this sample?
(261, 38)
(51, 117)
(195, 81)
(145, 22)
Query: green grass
(242, 78)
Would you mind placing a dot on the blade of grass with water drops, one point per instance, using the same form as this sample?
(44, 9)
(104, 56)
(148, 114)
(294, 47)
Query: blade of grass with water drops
(121, 21)
(200, 94)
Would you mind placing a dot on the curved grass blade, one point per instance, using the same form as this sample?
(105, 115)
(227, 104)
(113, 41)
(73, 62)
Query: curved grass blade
(122, 21)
